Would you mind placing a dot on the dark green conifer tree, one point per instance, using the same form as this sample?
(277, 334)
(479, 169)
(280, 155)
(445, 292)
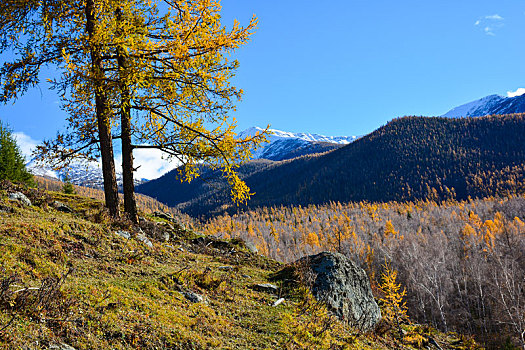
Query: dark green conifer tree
(12, 163)
(68, 187)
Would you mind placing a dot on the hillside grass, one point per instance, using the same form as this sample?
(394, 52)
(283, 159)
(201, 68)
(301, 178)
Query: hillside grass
(68, 278)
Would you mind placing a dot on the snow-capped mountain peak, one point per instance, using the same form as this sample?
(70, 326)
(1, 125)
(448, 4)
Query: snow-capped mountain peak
(281, 144)
(492, 104)
(279, 134)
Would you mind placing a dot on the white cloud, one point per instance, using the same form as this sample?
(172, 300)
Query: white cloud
(151, 164)
(490, 24)
(495, 17)
(518, 92)
(489, 31)
(26, 143)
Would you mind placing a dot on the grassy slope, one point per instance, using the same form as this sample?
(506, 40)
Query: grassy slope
(121, 294)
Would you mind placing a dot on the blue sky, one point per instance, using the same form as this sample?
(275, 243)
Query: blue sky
(346, 67)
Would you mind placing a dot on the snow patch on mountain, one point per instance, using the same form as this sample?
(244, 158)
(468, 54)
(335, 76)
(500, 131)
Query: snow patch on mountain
(284, 141)
(80, 173)
(489, 105)
(476, 108)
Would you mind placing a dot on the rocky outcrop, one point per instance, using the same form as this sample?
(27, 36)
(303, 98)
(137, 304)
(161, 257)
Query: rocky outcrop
(194, 297)
(62, 207)
(267, 287)
(20, 197)
(342, 285)
(123, 234)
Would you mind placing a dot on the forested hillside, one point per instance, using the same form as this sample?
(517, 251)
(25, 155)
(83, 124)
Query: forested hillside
(171, 190)
(409, 158)
(462, 263)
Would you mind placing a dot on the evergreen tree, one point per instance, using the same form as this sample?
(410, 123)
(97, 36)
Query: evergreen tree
(12, 163)
(68, 187)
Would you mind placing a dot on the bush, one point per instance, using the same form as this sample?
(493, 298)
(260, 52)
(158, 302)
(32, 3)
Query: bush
(12, 163)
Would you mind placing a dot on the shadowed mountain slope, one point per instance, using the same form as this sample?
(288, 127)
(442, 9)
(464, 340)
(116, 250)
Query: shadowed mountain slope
(409, 158)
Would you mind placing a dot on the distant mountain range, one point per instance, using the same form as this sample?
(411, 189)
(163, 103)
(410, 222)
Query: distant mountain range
(489, 105)
(80, 173)
(282, 146)
(409, 158)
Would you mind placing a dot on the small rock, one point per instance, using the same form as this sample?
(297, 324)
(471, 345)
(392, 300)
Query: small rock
(124, 234)
(278, 302)
(165, 216)
(181, 249)
(266, 287)
(246, 276)
(142, 237)
(193, 297)
(62, 207)
(6, 209)
(164, 236)
(20, 197)
(226, 268)
(252, 247)
(61, 346)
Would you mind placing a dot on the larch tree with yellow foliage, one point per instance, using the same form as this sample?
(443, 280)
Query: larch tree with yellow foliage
(153, 74)
(394, 309)
(68, 35)
(175, 81)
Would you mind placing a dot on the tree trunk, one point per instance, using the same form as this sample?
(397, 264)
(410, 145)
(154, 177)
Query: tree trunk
(103, 113)
(130, 205)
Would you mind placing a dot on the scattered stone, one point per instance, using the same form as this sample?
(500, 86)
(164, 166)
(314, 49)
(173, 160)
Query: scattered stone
(252, 247)
(278, 302)
(193, 297)
(165, 216)
(124, 234)
(164, 236)
(266, 287)
(20, 197)
(142, 237)
(6, 209)
(226, 268)
(155, 230)
(61, 346)
(246, 276)
(181, 249)
(62, 207)
(343, 286)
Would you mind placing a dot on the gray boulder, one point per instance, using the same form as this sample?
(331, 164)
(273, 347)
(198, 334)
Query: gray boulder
(20, 197)
(344, 287)
(62, 207)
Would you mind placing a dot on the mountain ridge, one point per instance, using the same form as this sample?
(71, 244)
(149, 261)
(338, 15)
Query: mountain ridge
(409, 158)
(488, 105)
